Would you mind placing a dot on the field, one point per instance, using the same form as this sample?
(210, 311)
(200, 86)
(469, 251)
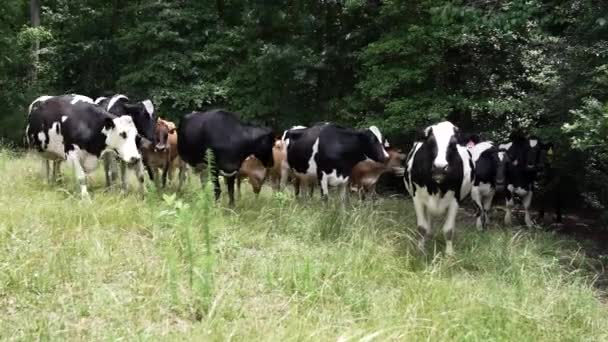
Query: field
(181, 268)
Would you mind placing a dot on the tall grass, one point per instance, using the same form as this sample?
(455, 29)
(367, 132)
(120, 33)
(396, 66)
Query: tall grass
(181, 267)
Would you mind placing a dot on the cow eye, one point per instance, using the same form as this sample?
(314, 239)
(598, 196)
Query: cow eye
(123, 135)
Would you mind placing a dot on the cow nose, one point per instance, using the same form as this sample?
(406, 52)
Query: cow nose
(440, 169)
(160, 147)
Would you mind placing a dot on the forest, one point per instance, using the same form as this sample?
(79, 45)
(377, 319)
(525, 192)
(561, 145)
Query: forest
(489, 66)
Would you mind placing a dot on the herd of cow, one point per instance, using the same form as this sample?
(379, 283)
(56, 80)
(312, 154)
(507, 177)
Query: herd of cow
(443, 167)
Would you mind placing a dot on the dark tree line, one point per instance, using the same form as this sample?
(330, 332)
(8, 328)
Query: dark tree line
(489, 65)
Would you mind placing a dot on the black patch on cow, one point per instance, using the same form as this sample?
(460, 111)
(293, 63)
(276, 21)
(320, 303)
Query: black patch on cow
(422, 165)
(486, 167)
(342, 148)
(230, 140)
(339, 148)
(82, 128)
(144, 122)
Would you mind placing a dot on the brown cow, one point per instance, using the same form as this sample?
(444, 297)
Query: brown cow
(257, 174)
(164, 154)
(366, 173)
(280, 166)
(254, 170)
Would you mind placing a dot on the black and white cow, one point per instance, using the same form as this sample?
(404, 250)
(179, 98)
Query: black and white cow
(328, 152)
(524, 158)
(439, 174)
(80, 132)
(69, 98)
(489, 172)
(229, 139)
(300, 180)
(142, 114)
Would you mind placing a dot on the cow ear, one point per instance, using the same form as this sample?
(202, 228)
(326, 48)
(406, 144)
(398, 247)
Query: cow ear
(108, 124)
(428, 131)
(149, 107)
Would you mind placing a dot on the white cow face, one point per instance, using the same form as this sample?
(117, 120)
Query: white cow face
(120, 136)
(443, 135)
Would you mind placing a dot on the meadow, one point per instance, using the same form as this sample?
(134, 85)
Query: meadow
(182, 268)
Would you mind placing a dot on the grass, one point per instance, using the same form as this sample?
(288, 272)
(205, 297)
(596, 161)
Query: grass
(181, 268)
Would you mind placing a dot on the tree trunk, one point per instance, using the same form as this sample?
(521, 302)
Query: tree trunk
(35, 21)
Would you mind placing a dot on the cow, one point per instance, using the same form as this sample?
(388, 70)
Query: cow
(439, 175)
(257, 174)
(142, 114)
(299, 180)
(279, 157)
(327, 153)
(163, 154)
(70, 98)
(228, 138)
(366, 173)
(79, 133)
(524, 158)
(253, 170)
(489, 172)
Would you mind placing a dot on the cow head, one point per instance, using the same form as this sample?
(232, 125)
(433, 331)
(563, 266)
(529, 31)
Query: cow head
(143, 117)
(442, 137)
(501, 170)
(161, 134)
(537, 154)
(395, 161)
(263, 145)
(121, 136)
(373, 145)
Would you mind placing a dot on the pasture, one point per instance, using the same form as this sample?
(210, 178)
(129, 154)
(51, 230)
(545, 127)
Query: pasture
(182, 268)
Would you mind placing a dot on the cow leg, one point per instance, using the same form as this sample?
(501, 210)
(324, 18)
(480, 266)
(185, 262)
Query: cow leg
(230, 185)
(361, 193)
(123, 176)
(106, 169)
(344, 197)
(256, 186)
(448, 227)
(46, 166)
(423, 225)
(526, 201)
(508, 207)
(296, 186)
(239, 180)
(372, 193)
(283, 177)
(324, 186)
(73, 159)
(151, 172)
(311, 189)
(558, 207)
(487, 205)
(476, 197)
(181, 176)
(56, 170)
(156, 178)
(139, 172)
(170, 171)
(216, 185)
(110, 167)
(166, 173)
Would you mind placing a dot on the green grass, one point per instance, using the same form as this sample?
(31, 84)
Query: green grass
(272, 269)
